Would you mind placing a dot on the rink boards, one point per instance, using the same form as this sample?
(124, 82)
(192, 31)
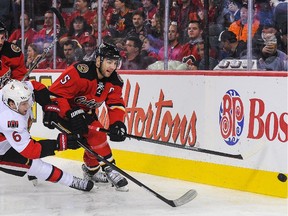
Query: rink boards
(234, 113)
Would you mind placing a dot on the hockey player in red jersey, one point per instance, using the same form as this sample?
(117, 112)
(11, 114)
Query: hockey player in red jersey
(19, 153)
(79, 90)
(12, 56)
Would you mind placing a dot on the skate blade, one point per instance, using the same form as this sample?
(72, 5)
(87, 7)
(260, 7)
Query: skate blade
(122, 189)
(34, 182)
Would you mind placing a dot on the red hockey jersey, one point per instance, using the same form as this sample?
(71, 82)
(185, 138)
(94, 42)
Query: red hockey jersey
(80, 86)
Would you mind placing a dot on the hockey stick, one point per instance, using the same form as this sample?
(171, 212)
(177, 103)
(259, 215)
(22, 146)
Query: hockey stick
(60, 18)
(170, 144)
(187, 197)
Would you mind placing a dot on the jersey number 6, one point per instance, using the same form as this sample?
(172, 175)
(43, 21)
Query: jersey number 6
(16, 136)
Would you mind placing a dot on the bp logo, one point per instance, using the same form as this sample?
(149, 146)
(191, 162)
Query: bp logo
(231, 117)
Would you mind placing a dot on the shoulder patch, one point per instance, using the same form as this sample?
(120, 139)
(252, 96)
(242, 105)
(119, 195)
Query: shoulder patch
(82, 68)
(15, 48)
(12, 124)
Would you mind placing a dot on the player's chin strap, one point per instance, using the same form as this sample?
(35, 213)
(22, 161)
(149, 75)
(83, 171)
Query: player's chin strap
(187, 197)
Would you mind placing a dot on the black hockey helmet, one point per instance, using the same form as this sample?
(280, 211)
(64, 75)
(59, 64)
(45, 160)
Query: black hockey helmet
(106, 50)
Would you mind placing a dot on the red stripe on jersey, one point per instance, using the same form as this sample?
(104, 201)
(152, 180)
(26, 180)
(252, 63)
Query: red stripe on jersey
(13, 164)
(55, 175)
(32, 150)
(2, 137)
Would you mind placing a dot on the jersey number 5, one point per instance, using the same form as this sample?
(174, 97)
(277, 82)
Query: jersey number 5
(65, 79)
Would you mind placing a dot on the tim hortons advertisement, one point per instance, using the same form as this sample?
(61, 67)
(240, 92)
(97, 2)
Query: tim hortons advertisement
(228, 119)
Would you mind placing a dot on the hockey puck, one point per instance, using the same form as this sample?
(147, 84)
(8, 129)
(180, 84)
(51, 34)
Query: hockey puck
(282, 177)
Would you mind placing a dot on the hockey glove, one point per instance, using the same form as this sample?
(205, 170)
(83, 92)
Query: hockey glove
(77, 121)
(117, 131)
(66, 141)
(50, 115)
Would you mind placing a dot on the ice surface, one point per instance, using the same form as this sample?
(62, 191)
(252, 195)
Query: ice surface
(20, 197)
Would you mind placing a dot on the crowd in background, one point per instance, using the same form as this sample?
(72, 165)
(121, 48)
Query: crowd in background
(136, 27)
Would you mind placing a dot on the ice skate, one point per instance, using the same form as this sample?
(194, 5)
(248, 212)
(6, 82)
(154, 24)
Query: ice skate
(33, 179)
(81, 184)
(116, 179)
(98, 177)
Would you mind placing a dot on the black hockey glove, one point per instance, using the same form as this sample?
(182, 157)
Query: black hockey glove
(117, 131)
(51, 112)
(67, 141)
(77, 121)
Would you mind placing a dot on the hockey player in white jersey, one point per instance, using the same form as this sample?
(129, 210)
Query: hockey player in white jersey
(19, 153)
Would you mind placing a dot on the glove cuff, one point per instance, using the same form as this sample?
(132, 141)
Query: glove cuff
(61, 142)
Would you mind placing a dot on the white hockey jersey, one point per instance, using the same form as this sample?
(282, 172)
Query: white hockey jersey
(13, 128)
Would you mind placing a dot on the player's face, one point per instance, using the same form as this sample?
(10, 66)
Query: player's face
(108, 66)
(23, 107)
(2, 40)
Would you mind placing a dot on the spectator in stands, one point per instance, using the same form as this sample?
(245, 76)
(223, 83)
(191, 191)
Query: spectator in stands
(106, 33)
(32, 53)
(82, 9)
(268, 29)
(230, 12)
(148, 48)
(157, 26)
(200, 64)
(29, 33)
(190, 53)
(47, 32)
(149, 9)
(280, 19)
(240, 27)
(121, 20)
(148, 53)
(263, 12)
(212, 12)
(78, 29)
(284, 38)
(231, 47)
(139, 29)
(70, 54)
(8, 15)
(187, 12)
(66, 16)
(89, 46)
(131, 59)
(107, 11)
(281, 13)
(174, 47)
(234, 9)
(47, 62)
(268, 56)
